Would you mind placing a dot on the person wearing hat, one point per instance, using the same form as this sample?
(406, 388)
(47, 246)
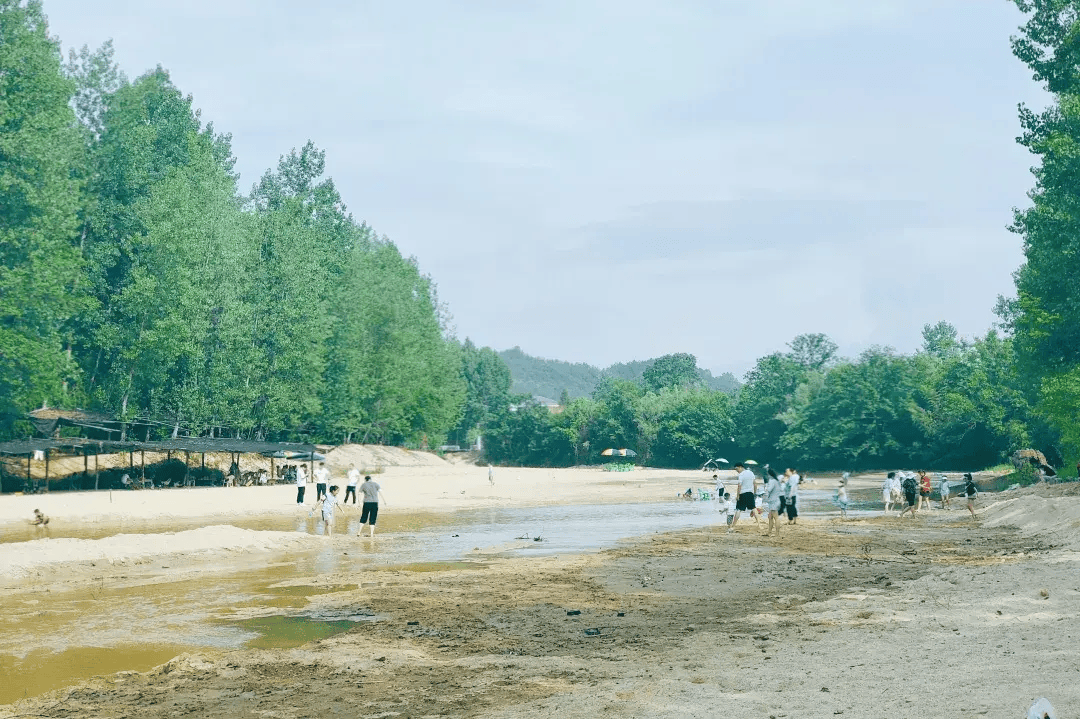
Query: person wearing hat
(943, 487)
(747, 493)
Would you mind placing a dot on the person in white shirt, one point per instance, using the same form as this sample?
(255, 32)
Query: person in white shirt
(329, 504)
(322, 478)
(945, 491)
(353, 476)
(791, 491)
(747, 492)
(727, 508)
(841, 495)
(301, 483)
(369, 510)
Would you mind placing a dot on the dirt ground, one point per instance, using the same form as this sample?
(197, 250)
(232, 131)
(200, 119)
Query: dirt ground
(937, 616)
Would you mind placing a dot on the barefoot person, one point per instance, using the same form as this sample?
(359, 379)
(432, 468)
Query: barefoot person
(773, 492)
(924, 490)
(747, 493)
(911, 492)
(40, 520)
(943, 487)
(329, 505)
(841, 495)
(887, 491)
(369, 511)
(971, 491)
(353, 479)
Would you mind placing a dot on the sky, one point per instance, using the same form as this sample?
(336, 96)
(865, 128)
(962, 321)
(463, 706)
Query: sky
(608, 180)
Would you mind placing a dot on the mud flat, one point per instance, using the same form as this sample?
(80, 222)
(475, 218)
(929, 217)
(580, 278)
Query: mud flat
(937, 616)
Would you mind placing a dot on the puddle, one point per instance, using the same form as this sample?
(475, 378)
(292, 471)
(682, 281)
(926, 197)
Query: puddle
(281, 632)
(440, 566)
(42, 670)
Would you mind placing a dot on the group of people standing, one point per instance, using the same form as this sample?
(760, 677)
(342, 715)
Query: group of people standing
(326, 494)
(913, 490)
(778, 497)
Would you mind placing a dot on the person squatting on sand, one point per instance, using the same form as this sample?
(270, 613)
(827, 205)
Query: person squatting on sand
(329, 504)
(369, 511)
(352, 479)
(40, 520)
(747, 493)
(773, 493)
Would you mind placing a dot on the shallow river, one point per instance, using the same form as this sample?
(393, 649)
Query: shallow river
(50, 638)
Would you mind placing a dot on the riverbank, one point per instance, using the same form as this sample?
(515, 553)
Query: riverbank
(833, 618)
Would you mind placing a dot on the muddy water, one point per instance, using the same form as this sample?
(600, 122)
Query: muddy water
(52, 638)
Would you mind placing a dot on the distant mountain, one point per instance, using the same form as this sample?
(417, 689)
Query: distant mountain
(548, 378)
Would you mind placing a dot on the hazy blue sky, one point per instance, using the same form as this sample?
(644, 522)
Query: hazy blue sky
(604, 181)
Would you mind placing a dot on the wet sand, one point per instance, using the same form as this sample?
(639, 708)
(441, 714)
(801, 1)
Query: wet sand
(823, 621)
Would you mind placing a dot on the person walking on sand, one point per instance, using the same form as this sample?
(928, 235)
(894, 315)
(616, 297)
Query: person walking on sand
(924, 490)
(747, 493)
(329, 504)
(971, 491)
(911, 491)
(301, 483)
(322, 478)
(792, 491)
(841, 495)
(369, 510)
(943, 488)
(773, 493)
(887, 491)
(491, 475)
(353, 479)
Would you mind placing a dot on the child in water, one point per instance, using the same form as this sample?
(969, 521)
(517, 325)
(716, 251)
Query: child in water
(841, 495)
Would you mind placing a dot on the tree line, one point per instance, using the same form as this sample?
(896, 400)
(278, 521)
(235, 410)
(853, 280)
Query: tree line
(135, 277)
(954, 403)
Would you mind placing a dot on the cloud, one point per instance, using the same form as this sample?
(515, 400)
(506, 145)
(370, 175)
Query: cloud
(601, 181)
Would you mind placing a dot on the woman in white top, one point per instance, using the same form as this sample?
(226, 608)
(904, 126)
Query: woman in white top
(772, 503)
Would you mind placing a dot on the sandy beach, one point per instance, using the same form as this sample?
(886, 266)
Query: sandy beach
(873, 616)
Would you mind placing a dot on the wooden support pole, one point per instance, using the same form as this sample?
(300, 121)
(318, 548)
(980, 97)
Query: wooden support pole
(46, 469)
(273, 477)
(97, 473)
(142, 460)
(187, 458)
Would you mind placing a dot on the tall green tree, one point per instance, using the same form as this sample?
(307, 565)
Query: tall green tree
(39, 196)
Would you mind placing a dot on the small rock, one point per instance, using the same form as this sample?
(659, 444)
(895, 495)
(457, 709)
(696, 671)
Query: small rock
(573, 612)
(1044, 593)
(414, 624)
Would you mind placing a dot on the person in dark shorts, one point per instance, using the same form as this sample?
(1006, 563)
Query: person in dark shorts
(971, 491)
(924, 489)
(369, 511)
(911, 493)
(747, 493)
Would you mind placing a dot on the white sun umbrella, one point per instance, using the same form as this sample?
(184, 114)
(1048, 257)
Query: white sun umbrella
(749, 461)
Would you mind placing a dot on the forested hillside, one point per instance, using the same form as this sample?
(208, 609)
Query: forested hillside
(136, 279)
(550, 378)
